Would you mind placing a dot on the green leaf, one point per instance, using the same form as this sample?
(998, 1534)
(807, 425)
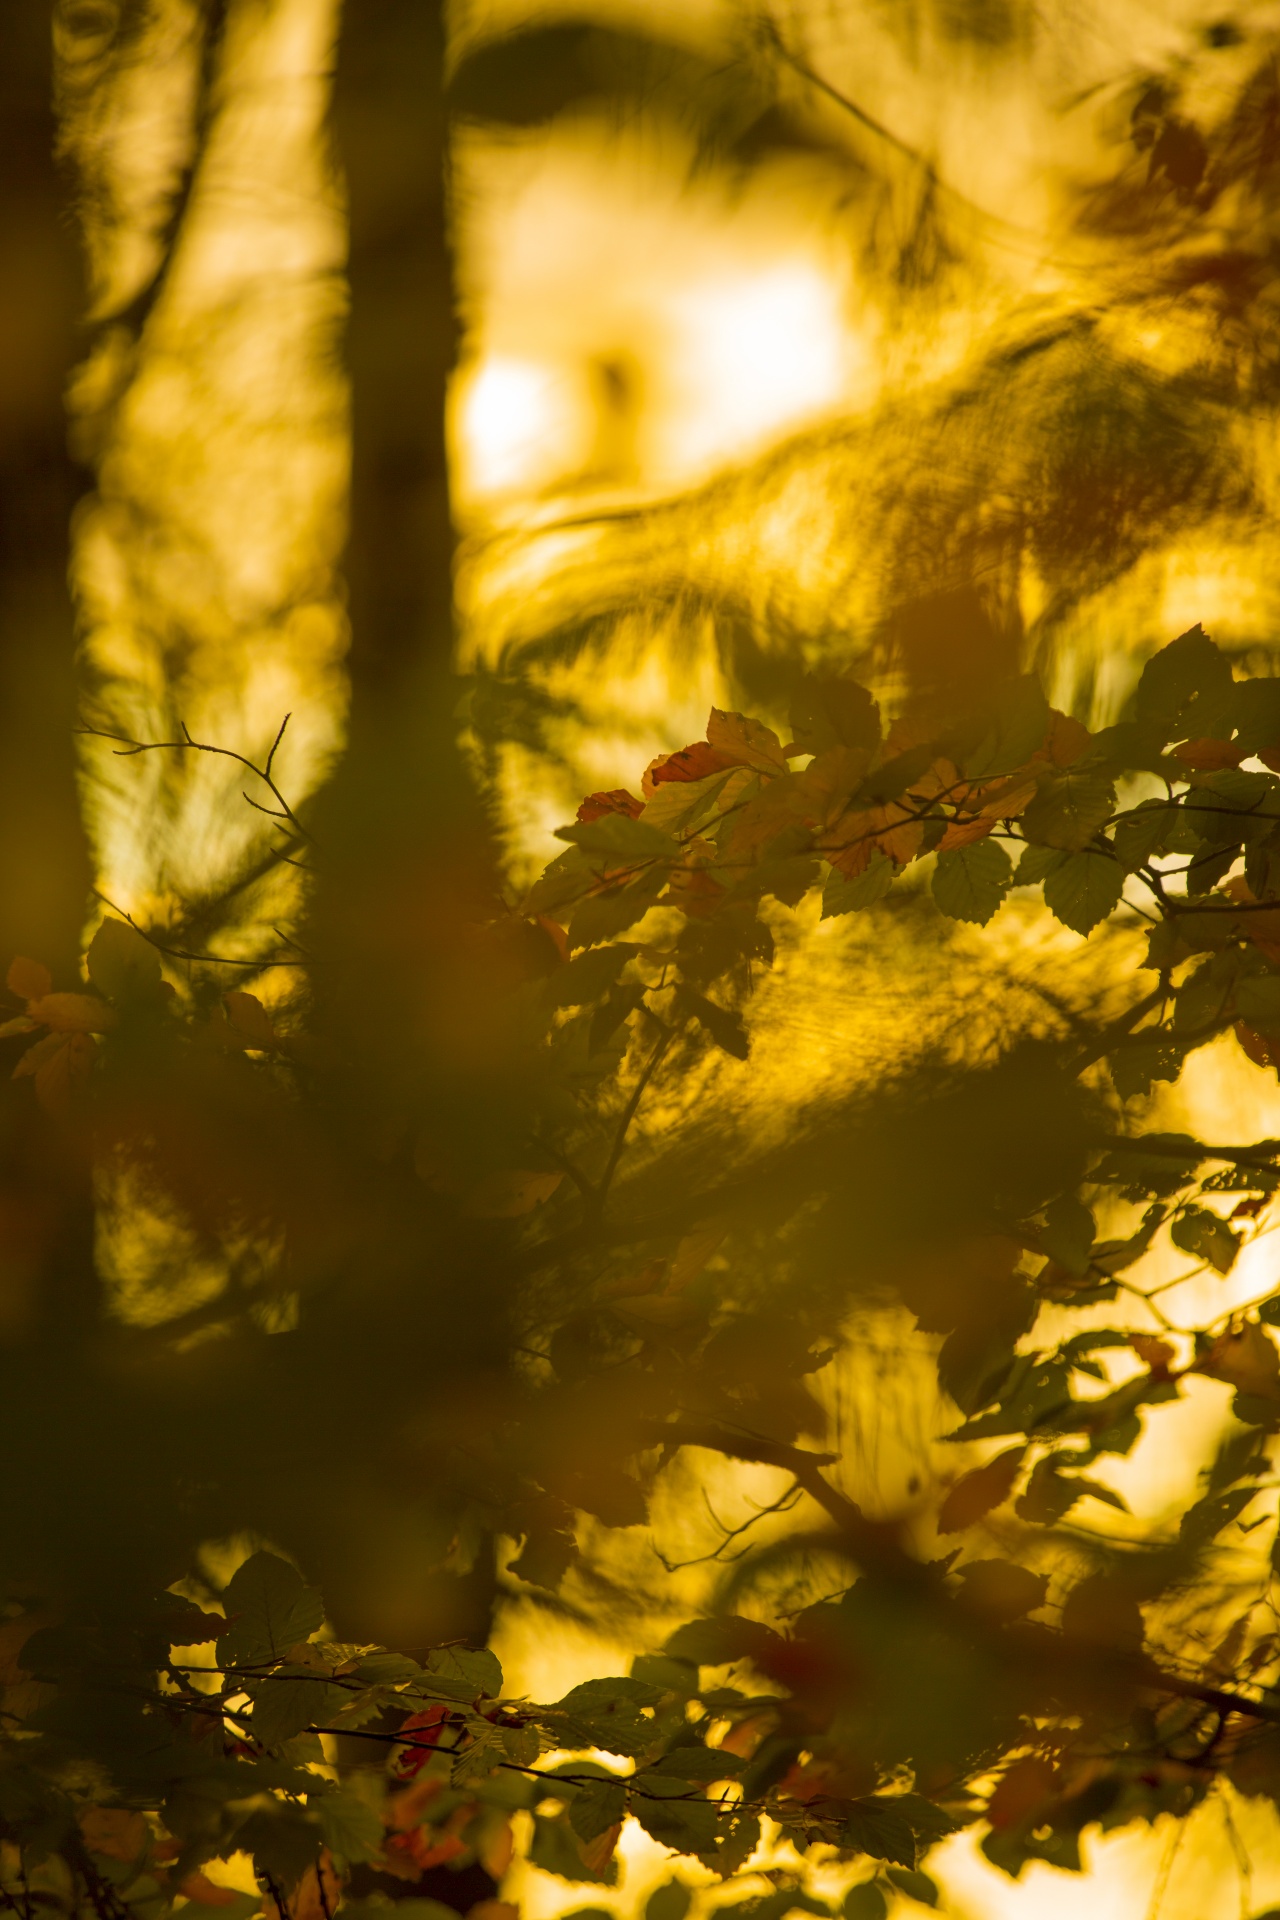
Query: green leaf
(618, 836)
(270, 1609)
(916, 1886)
(1258, 1001)
(1083, 889)
(1189, 666)
(597, 1807)
(1205, 1520)
(474, 1669)
(852, 896)
(1201, 1001)
(718, 1642)
(724, 1027)
(283, 1843)
(833, 712)
(865, 1903)
(556, 1849)
(1070, 807)
(674, 1813)
(565, 880)
(283, 1706)
(699, 1763)
(602, 915)
(1139, 834)
(352, 1829)
(1036, 864)
(671, 1901)
(875, 1826)
(1202, 1233)
(1019, 729)
(969, 883)
(121, 964)
(1257, 714)
(588, 976)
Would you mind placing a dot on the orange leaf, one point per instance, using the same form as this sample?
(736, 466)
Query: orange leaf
(597, 1853)
(72, 1013)
(114, 1833)
(205, 1892)
(1026, 1786)
(745, 742)
(975, 1494)
(1067, 740)
(1246, 1359)
(963, 833)
(1263, 929)
(29, 979)
(689, 763)
(1158, 1355)
(1263, 1052)
(618, 801)
(1209, 756)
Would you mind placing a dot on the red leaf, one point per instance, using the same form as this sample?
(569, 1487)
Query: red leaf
(689, 763)
(618, 801)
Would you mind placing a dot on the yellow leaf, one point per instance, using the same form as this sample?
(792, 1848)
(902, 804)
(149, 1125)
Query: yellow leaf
(746, 741)
(72, 1013)
(28, 979)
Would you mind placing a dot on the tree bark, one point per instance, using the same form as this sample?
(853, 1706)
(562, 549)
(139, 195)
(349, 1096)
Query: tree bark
(44, 863)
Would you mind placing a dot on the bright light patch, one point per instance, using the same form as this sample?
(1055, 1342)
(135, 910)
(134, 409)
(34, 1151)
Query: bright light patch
(518, 424)
(754, 353)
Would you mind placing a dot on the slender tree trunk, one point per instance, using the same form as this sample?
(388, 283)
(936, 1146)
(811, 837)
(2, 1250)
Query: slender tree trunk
(44, 866)
(405, 870)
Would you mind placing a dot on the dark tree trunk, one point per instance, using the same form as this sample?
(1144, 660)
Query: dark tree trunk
(405, 868)
(44, 866)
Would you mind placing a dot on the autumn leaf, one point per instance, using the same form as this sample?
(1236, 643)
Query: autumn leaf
(1246, 1359)
(975, 1494)
(114, 1832)
(28, 979)
(616, 801)
(72, 1013)
(1026, 1785)
(688, 763)
(1068, 739)
(745, 742)
(1209, 756)
(1157, 1355)
(1257, 1047)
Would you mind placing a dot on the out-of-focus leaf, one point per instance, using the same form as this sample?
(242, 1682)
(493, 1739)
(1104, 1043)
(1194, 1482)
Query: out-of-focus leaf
(122, 964)
(28, 979)
(977, 1492)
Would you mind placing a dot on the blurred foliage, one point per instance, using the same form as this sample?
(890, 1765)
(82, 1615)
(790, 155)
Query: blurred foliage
(470, 1237)
(526, 1315)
